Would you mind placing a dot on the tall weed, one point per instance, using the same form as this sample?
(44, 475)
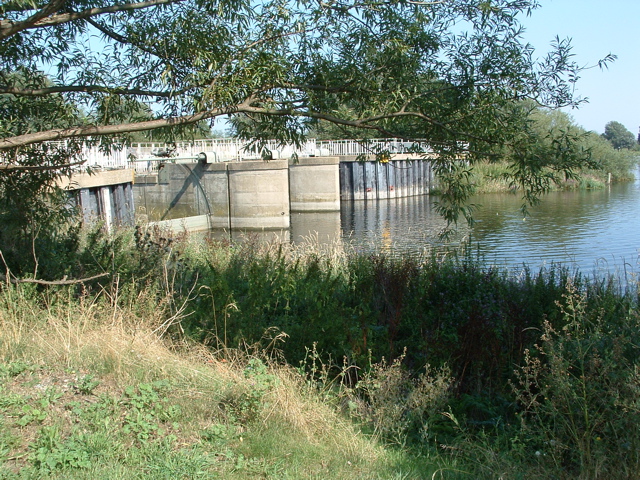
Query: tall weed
(400, 406)
(577, 389)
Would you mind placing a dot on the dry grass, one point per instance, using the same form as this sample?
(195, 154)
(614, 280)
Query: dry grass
(84, 333)
(68, 337)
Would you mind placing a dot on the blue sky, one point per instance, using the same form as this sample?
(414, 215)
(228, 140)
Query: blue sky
(596, 28)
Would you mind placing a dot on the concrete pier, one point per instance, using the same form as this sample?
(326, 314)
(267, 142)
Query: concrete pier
(314, 184)
(258, 195)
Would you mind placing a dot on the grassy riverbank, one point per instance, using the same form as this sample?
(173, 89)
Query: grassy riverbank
(244, 361)
(89, 389)
(490, 177)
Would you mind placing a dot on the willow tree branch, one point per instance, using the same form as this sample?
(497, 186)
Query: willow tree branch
(45, 17)
(245, 107)
(121, 39)
(41, 92)
(38, 168)
(365, 123)
(248, 106)
(9, 28)
(99, 130)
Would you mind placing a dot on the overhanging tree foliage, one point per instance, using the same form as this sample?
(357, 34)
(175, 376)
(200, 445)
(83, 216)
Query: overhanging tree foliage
(448, 71)
(26, 215)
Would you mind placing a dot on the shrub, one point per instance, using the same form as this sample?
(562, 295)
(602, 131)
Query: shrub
(245, 402)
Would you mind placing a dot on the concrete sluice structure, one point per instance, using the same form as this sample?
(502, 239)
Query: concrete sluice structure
(262, 195)
(250, 195)
(255, 195)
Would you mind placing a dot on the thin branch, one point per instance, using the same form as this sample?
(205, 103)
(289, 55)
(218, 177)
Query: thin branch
(364, 123)
(41, 92)
(39, 168)
(318, 88)
(119, 38)
(368, 4)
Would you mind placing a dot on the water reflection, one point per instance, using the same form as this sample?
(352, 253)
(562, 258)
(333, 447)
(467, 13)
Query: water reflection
(258, 236)
(595, 231)
(323, 227)
(395, 226)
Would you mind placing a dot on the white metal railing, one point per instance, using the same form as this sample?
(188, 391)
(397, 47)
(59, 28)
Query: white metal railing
(115, 159)
(145, 156)
(373, 146)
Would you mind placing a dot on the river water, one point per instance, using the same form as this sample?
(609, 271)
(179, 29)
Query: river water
(597, 232)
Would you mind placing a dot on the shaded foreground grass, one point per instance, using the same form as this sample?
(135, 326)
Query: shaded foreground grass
(88, 391)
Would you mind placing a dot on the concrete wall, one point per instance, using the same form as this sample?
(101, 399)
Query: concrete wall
(176, 191)
(314, 184)
(259, 194)
(245, 195)
(216, 189)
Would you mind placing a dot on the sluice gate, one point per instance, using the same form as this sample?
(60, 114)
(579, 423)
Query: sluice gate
(398, 177)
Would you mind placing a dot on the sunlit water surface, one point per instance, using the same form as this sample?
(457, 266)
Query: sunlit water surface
(597, 232)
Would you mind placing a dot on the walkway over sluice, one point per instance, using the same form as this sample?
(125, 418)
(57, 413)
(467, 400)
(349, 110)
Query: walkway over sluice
(143, 157)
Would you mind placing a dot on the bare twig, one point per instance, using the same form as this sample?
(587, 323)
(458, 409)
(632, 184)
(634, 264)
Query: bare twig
(4, 277)
(54, 282)
(178, 316)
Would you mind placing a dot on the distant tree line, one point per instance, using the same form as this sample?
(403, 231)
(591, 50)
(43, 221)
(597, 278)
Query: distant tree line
(619, 136)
